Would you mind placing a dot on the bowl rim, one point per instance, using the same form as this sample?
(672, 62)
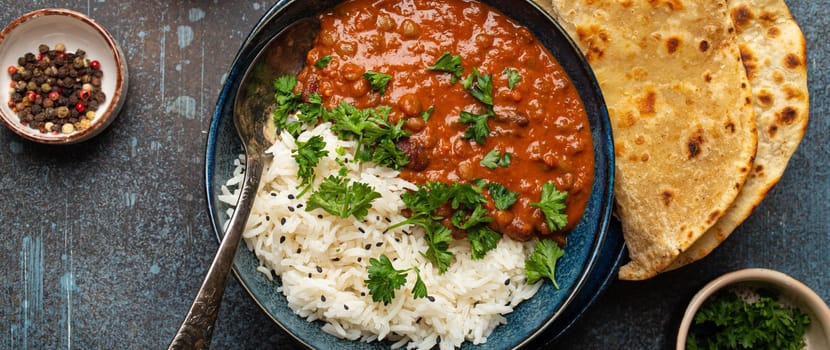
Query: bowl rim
(117, 97)
(816, 305)
(227, 94)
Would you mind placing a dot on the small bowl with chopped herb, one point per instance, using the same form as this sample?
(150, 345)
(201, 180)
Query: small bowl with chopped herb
(755, 309)
(66, 76)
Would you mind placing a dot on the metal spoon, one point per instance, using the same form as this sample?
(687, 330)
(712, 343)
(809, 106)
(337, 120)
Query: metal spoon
(283, 54)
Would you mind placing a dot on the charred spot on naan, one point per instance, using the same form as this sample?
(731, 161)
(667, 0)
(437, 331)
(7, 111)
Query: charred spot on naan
(597, 40)
(749, 61)
(695, 144)
(742, 16)
(672, 43)
(673, 5)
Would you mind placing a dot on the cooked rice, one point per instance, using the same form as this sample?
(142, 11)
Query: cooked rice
(322, 259)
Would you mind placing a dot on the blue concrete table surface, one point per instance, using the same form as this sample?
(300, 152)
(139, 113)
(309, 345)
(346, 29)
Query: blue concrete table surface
(104, 243)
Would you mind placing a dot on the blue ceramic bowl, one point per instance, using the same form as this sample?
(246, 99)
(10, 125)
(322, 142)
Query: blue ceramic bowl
(594, 247)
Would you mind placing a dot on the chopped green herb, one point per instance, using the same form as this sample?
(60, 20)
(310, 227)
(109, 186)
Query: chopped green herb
(482, 240)
(513, 77)
(726, 321)
(419, 290)
(384, 279)
(311, 111)
(552, 205)
(480, 86)
(323, 61)
(378, 81)
(542, 262)
(466, 221)
(494, 159)
(478, 128)
(338, 196)
(307, 155)
(502, 197)
(287, 100)
(438, 239)
(427, 113)
(451, 64)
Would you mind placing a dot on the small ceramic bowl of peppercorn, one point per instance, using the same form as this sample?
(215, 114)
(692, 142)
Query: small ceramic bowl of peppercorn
(65, 76)
(755, 309)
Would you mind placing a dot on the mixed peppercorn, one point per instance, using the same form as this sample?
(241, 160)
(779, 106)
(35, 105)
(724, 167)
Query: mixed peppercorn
(55, 91)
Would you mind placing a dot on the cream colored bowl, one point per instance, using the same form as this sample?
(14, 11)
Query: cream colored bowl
(76, 31)
(791, 292)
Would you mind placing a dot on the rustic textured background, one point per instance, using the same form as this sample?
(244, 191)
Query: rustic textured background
(103, 244)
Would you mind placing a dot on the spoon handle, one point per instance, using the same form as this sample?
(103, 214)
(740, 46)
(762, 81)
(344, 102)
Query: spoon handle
(196, 329)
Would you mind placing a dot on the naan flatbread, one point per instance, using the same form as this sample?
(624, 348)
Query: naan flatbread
(681, 114)
(775, 56)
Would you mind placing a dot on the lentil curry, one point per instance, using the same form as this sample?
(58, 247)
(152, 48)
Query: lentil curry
(516, 119)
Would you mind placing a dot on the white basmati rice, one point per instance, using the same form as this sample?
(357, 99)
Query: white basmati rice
(322, 259)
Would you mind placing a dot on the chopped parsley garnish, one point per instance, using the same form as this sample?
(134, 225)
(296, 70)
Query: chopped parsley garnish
(427, 113)
(482, 240)
(340, 197)
(478, 128)
(552, 205)
(323, 61)
(378, 81)
(438, 239)
(728, 322)
(384, 279)
(502, 197)
(451, 64)
(307, 155)
(479, 85)
(287, 100)
(495, 159)
(513, 77)
(376, 137)
(542, 262)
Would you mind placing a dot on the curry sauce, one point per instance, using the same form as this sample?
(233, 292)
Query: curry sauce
(540, 121)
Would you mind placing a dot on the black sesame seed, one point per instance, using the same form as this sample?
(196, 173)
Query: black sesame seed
(345, 306)
(309, 275)
(273, 194)
(508, 304)
(361, 230)
(419, 319)
(387, 220)
(335, 259)
(363, 294)
(368, 246)
(406, 232)
(378, 244)
(319, 269)
(431, 298)
(397, 240)
(299, 250)
(507, 282)
(282, 239)
(299, 205)
(323, 298)
(290, 196)
(282, 221)
(319, 216)
(377, 218)
(291, 209)
(359, 259)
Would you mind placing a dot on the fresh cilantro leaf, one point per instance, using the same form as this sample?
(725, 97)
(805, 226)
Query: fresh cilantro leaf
(513, 77)
(294, 127)
(478, 128)
(389, 155)
(465, 221)
(480, 86)
(438, 239)
(419, 290)
(384, 279)
(494, 159)
(378, 81)
(427, 113)
(491, 159)
(323, 61)
(552, 205)
(502, 197)
(466, 195)
(339, 197)
(308, 155)
(287, 100)
(482, 240)
(505, 160)
(449, 63)
(311, 111)
(542, 262)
